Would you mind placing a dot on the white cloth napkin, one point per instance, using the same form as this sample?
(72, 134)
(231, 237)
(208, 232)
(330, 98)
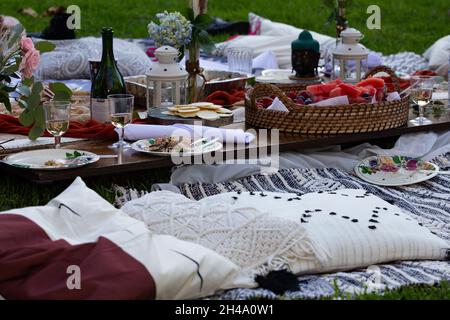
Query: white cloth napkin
(336, 101)
(393, 96)
(277, 105)
(266, 60)
(134, 132)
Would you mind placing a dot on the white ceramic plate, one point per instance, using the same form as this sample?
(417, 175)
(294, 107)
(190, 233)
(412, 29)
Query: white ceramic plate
(51, 159)
(142, 146)
(395, 171)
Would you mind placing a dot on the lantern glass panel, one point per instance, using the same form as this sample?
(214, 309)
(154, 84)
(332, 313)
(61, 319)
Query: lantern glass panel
(349, 70)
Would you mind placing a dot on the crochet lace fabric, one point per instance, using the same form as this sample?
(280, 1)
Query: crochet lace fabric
(240, 234)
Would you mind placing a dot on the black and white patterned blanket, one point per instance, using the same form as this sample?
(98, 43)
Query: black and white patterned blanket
(428, 202)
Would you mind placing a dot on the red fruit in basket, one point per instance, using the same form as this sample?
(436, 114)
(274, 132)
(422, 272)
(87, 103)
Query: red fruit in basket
(374, 82)
(266, 102)
(356, 100)
(315, 89)
(292, 95)
(305, 94)
(336, 92)
(259, 105)
(328, 87)
(335, 81)
(319, 98)
(308, 101)
(350, 89)
(300, 101)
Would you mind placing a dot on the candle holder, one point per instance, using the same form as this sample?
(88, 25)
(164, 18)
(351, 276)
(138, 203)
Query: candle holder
(350, 57)
(166, 80)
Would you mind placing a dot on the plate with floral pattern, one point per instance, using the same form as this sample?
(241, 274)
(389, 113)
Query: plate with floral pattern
(395, 170)
(51, 159)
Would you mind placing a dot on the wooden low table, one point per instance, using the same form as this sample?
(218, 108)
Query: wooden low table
(131, 161)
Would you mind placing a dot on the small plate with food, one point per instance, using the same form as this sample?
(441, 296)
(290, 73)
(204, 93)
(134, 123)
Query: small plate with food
(396, 170)
(177, 146)
(51, 159)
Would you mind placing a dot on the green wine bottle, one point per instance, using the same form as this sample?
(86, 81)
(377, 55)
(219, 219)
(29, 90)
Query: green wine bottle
(108, 80)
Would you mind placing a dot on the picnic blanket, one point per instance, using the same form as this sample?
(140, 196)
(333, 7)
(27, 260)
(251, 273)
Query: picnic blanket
(428, 202)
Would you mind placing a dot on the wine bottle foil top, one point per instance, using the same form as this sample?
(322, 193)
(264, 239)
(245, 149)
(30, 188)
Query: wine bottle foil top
(107, 30)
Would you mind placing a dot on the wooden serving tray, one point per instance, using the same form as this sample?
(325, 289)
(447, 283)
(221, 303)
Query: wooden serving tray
(156, 116)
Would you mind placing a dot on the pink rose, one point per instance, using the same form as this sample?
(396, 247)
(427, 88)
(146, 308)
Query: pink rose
(29, 63)
(26, 44)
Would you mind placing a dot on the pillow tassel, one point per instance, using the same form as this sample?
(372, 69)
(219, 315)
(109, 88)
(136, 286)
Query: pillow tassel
(278, 281)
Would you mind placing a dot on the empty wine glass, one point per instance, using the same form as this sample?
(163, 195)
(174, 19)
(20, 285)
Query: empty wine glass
(421, 93)
(121, 112)
(57, 117)
(240, 59)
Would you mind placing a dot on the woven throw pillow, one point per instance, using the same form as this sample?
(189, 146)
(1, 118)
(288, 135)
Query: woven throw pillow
(340, 230)
(70, 59)
(116, 256)
(356, 229)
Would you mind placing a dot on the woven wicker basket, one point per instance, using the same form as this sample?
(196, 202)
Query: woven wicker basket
(311, 120)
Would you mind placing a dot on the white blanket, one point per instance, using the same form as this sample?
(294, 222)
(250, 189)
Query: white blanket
(425, 145)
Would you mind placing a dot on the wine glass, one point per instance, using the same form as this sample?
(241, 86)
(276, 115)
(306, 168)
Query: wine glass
(57, 116)
(421, 93)
(121, 112)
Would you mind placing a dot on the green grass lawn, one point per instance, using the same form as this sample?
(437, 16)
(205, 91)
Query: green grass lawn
(411, 25)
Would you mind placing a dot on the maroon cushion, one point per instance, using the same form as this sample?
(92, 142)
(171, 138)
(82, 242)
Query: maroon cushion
(32, 266)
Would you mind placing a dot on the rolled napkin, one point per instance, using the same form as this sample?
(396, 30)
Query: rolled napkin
(134, 132)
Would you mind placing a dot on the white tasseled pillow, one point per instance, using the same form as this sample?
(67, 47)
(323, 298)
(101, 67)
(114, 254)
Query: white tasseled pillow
(354, 228)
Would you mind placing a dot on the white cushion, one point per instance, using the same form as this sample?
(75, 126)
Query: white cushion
(275, 36)
(438, 55)
(339, 243)
(70, 59)
(169, 261)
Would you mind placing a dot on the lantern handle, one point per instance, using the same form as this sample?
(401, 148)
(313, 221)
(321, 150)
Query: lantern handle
(389, 71)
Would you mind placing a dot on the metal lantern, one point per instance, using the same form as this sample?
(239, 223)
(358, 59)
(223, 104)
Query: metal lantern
(350, 57)
(166, 79)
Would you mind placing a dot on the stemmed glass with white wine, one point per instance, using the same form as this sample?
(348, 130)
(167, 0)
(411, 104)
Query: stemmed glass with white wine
(57, 117)
(121, 113)
(421, 93)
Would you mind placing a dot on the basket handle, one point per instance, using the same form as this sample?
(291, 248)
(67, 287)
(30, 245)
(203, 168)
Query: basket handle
(389, 71)
(267, 89)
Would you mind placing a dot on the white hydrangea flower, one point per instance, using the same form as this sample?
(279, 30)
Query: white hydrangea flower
(173, 30)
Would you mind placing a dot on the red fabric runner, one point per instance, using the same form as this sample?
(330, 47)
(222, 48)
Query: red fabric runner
(90, 129)
(224, 98)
